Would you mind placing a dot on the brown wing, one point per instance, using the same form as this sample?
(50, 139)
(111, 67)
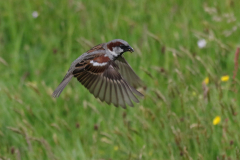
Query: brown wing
(97, 47)
(127, 72)
(106, 83)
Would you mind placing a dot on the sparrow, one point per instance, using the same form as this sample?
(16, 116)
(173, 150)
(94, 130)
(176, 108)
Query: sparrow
(106, 74)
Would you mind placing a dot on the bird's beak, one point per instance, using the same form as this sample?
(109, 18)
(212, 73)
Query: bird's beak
(130, 49)
(127, 48)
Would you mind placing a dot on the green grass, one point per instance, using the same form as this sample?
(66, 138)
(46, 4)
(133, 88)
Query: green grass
(173, 121)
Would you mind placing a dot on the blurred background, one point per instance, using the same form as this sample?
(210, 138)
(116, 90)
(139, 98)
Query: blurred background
(185, 52)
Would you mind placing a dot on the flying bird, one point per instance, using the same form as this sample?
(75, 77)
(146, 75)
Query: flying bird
(106, 74)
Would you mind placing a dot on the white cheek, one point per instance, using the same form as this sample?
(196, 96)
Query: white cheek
(113, 52)
(98, 64)
(118, 50)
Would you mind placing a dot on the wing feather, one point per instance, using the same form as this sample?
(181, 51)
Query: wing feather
(107, 95)
(125, 94)
(127, 72)
(106, 83)
(121, 101)
(102, 91)
(130, 93)
(98, 87)
(114, 95)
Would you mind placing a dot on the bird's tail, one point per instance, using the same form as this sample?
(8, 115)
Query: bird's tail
(61, 86)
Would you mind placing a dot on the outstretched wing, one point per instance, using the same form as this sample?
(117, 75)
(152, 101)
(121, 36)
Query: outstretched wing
(102, 80)
(127, 72)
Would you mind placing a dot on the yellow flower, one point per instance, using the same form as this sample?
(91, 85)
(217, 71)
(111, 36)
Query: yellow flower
(216, 120)
(206, 80)
(115, 148)
(225, 78)
(150, 153)
(194, 93)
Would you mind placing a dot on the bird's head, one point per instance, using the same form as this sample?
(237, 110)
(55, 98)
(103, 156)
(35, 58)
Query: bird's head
(117, 47)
